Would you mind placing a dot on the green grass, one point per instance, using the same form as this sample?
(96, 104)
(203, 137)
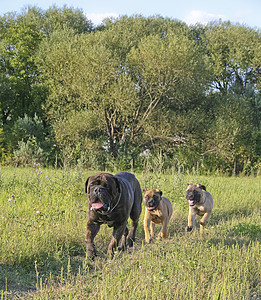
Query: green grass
(42, 247)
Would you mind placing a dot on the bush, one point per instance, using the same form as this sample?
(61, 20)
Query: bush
(28, 153)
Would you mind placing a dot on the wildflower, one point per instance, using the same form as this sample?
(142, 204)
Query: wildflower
(37, 212)
(11, 197)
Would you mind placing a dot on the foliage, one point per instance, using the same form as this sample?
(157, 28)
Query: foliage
(56, 18)
(231, 51)
(145, 84)
(28, 153)
(20, 94)
(79, 138)
(2, 149)
(26, 127)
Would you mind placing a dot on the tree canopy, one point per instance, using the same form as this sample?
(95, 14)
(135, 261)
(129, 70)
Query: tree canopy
(134, 87)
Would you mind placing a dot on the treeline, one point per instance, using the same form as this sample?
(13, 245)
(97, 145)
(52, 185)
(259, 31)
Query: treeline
(130, 92)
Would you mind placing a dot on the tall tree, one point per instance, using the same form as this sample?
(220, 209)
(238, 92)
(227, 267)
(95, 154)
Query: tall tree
(20, 37)
(125, 88)
(234, 133)
(231, 51)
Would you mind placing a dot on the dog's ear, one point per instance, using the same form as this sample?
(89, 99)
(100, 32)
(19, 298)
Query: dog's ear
(145, 190)
(159, 191)
(117, 184)
(86, 186)
(202, 187)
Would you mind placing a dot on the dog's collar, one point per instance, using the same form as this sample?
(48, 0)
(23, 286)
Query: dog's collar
(109, 210)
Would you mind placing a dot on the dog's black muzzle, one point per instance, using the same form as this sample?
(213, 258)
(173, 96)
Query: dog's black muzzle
(193, 198)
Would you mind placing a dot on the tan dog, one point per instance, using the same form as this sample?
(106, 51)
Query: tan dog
(158, 211)
(200, 203)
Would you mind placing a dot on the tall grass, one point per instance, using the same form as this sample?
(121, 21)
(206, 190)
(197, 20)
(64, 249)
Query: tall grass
(42, 247)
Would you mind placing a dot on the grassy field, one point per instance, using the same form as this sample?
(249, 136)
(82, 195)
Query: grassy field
(42, 247)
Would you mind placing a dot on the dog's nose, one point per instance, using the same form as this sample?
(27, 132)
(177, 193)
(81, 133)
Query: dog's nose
(97, 190)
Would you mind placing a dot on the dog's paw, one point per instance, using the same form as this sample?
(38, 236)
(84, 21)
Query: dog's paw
(148, 241)
(160, 236)
(91, 255)
(130, 242)
(188, 229)
(91, 252)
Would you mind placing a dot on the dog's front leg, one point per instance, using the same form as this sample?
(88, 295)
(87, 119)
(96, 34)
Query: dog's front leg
(123, 241)
(191, 221)
(164, 230)
(92, 230)
(147, 222)
(115, 239)
(132, 232)
(203, 221)
(152, 229)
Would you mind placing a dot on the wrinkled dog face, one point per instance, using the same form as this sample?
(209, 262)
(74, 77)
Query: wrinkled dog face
(152, 198)
(194, 193)
(101, 189)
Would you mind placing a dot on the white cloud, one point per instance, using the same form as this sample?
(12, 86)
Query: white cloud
(203, 17)
(97, 18)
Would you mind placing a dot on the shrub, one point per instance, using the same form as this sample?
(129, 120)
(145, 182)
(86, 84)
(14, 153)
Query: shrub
(28, 153)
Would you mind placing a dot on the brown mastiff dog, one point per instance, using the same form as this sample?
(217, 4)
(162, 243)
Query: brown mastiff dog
(158, 211)
(112, 200)
(200, 203)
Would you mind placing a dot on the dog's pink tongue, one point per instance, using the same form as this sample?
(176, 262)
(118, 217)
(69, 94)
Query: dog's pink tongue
(151, 207)
(191, 202)
(97, 205)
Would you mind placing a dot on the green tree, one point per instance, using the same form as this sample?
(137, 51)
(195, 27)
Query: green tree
(170, 74)
(56, 18)
(93, 80)
(21, 92)
(234, 95)
(231, 50)
(125, 89)
(20, 37)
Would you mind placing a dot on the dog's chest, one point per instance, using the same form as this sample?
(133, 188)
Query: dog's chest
(106, 219)
(156, 216)
(200, 210)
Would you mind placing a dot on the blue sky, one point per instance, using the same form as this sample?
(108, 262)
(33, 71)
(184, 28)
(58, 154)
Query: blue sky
(247, 12)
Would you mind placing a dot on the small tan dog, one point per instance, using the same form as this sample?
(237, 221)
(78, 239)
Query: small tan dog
(158, 211)
(200, 203)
